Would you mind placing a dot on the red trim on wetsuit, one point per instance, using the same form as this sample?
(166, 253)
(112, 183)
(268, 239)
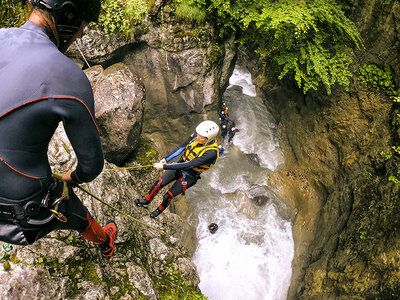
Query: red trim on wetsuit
(35, 100)
(162, 208)
(23, 105)
(150, 196)
(83, 103)
(44, 98)
(19, 172)
(184, 186)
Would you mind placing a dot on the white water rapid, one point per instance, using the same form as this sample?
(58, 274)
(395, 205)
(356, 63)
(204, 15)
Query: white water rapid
(250, 255)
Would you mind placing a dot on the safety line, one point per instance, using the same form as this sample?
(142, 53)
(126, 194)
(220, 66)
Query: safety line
(114, 208)
(127, 168)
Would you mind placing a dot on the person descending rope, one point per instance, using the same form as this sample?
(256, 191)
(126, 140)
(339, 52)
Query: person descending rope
(232, 131)
(223, 113)
(200, 152)
(40, 87)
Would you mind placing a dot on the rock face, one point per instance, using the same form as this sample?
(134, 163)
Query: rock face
(183, 67)
(347, 226)
(63, 265)
(120, 97)
(184, 71)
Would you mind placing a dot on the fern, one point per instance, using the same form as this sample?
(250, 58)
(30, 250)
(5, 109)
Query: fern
(309, 40)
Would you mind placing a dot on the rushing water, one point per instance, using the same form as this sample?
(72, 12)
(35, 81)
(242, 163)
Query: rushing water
(250, 255)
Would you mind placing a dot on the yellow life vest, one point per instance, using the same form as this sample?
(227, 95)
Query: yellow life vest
(194, 150)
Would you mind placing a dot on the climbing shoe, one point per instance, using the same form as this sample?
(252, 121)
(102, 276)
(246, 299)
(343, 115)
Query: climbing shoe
(107, 248)
(142, 202)
(155, 213)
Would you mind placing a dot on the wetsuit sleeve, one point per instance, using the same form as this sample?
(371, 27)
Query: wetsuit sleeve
(207, 158)
(178, 150)
(79, 124)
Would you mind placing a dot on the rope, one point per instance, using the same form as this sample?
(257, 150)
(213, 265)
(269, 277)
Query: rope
(114, 208)
(6, 247)
(121, 212)
(79, 49)
(127, 168)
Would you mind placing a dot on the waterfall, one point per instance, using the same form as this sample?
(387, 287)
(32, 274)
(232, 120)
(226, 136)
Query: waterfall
(250, 255)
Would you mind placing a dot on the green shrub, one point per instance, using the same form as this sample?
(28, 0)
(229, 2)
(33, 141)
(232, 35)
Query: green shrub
(378, 79)
(13, 13)
(122, 15)
(309, 40)
(187, 10)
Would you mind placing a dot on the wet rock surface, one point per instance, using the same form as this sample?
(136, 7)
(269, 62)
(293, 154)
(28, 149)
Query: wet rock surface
(63, 265)
(346, 228)
(119, 109)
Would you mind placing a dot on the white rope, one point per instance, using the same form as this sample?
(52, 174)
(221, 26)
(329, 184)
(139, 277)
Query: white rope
(79, 49)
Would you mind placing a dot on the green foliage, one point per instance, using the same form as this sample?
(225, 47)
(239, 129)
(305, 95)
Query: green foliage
(13, 13)
(378, 79)
(7, 266)
(395, 178)
(392, 155)
(122, 15)
(136, 9)
(215, 53)
(309, 40)
(188, 10)
(144, 154)
(179, 288)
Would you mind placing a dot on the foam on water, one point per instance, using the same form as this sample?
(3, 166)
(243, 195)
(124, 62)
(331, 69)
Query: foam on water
(250, 255)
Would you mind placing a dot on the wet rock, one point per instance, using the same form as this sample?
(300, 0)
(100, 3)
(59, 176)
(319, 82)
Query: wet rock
(119, 105)
(183, 68)
(63, 265)
(334, 176)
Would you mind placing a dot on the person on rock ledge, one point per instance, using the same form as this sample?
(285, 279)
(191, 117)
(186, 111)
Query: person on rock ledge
(200, 152)
(41, 87)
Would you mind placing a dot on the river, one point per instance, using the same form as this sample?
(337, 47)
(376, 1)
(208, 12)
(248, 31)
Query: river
(250, 255)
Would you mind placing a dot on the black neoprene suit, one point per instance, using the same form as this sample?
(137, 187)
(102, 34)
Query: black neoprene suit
(175, 171)
(40, 87)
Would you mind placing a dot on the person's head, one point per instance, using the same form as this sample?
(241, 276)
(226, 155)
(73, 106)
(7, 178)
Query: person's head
(206, 131)
(66, 18)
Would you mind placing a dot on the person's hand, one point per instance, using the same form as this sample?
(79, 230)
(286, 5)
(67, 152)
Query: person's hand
(163, 161)
(67, 177)
(159, 166)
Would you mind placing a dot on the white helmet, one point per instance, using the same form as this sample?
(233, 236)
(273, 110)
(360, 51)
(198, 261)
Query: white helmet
(208, 129)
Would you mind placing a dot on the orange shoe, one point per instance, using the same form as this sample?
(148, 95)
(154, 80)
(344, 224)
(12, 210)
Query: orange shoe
(107, 248)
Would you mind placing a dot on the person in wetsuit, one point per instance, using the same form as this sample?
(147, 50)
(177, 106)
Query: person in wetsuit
(40, 87)
(199, 153)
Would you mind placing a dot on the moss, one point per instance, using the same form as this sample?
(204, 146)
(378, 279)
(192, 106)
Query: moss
(7, 266)
(378, 79)
(174, 287)
(124, 286)
(179, 32)
(14, 259)
(215, 54)
(81, 270)
(145, 154)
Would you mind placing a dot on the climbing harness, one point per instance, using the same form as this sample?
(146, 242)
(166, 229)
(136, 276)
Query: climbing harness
(5, 248)
(56, 203)
(114, 208)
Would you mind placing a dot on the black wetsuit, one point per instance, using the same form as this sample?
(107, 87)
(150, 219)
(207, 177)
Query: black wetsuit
(181, 171)
(40, 87)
